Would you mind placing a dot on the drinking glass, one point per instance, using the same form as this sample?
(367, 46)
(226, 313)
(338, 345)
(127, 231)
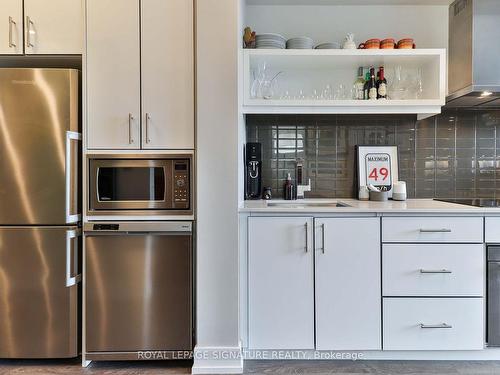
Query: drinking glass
(398, 89)
(341, 92)
(328, 92)
(258, 76)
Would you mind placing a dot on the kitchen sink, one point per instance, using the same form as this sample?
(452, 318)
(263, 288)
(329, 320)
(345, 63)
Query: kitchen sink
(298, 204)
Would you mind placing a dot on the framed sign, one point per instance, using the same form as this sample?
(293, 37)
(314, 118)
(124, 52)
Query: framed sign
(378, 166)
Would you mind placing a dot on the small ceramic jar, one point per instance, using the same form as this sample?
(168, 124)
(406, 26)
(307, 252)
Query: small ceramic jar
(388, 43)
(370, 44)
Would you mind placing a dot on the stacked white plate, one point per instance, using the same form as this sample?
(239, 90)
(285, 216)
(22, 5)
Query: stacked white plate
(332, 45)
(270, 41)
(302, 42)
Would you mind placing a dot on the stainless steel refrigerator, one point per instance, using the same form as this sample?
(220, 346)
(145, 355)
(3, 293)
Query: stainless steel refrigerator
(39, 213)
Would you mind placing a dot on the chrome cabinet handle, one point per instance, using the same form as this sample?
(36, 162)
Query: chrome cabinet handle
(442, 230)
(323, 238)
(29, 23)
(435, 326)
(11, 37)
(72, 280)
(71, 189)
(148, 117)
(307, 237)
(435, 271)
(130, 119)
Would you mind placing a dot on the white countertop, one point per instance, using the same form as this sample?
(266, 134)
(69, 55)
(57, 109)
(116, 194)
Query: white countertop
(409, 206)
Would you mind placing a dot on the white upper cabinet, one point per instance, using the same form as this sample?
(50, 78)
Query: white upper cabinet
(113, 74)
(348, 292)
(11, 27)
(280, 283)
(167, 74)
(140, 74)
(54, 27)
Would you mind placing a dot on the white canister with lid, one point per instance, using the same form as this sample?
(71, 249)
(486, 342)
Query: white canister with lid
(364, 194)
(399, 191)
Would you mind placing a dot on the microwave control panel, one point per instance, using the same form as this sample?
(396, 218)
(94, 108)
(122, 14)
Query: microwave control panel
(181, 184)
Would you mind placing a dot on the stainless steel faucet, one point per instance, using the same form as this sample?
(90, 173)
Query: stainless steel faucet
(301, 188)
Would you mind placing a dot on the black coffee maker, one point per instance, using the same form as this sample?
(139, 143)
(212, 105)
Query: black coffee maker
(253, 169)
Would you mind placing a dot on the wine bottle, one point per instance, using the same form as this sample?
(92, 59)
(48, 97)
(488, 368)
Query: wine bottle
(372, 86)
(359, 85)
(365, 87)
(381, 85)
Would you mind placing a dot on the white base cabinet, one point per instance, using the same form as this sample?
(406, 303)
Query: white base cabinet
(433, 324)
(288, 308)
(280, 283)
(332, 284)
(348, 300)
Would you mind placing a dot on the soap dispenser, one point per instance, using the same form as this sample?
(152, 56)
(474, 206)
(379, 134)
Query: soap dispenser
(289, 189)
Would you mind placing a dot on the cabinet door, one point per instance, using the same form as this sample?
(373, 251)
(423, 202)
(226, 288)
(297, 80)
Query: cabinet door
(53, 27)
(11, 27)
(113, 74)
(167, 74)
(280, 283)
(348, 291)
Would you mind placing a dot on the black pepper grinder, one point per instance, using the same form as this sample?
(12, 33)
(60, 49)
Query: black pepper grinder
(289, 189)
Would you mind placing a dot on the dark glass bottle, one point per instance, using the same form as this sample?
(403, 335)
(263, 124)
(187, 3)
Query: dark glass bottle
(365, 88)
(381, 84)
(372, 86)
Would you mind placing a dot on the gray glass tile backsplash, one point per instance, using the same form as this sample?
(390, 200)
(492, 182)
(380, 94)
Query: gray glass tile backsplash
(453, 155)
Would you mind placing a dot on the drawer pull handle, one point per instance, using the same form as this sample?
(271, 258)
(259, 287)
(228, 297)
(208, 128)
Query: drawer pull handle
(435, 326)
(307, 237)
(442, 230)
(435, 271)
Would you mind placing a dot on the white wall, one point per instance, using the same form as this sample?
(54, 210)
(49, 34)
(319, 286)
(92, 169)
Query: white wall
(217, 171)
(428, 25)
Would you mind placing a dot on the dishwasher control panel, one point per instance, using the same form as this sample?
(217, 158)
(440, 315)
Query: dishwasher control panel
(106, 227)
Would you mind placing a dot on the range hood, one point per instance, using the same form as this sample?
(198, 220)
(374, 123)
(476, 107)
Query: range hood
(474, 54)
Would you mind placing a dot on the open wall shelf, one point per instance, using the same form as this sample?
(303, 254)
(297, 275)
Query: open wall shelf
(310, 70)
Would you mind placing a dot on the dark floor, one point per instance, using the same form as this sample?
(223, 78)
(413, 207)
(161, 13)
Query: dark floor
(255, 367)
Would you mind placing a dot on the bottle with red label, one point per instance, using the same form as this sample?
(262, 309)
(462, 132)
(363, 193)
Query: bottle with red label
(381, 84)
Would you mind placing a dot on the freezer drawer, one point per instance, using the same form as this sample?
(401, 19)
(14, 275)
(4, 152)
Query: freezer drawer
(138, 291)
(38, 292)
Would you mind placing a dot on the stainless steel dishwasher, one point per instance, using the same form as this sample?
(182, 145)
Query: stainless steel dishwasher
(138, 288)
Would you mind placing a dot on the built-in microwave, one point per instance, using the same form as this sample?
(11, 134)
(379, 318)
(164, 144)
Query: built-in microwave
(140, 184)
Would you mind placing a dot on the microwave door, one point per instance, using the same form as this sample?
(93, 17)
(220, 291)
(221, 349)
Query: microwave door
(130, 186)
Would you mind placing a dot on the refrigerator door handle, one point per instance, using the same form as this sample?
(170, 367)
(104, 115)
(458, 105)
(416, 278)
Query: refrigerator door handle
(70, 217)
(71, 235)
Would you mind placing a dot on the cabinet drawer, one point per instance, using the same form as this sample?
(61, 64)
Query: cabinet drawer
(492, 229)
(433, 270)
(433, 324)
(432, 229)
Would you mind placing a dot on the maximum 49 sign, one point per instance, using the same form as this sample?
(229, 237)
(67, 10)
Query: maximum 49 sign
(378, 166)
(378, 169)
